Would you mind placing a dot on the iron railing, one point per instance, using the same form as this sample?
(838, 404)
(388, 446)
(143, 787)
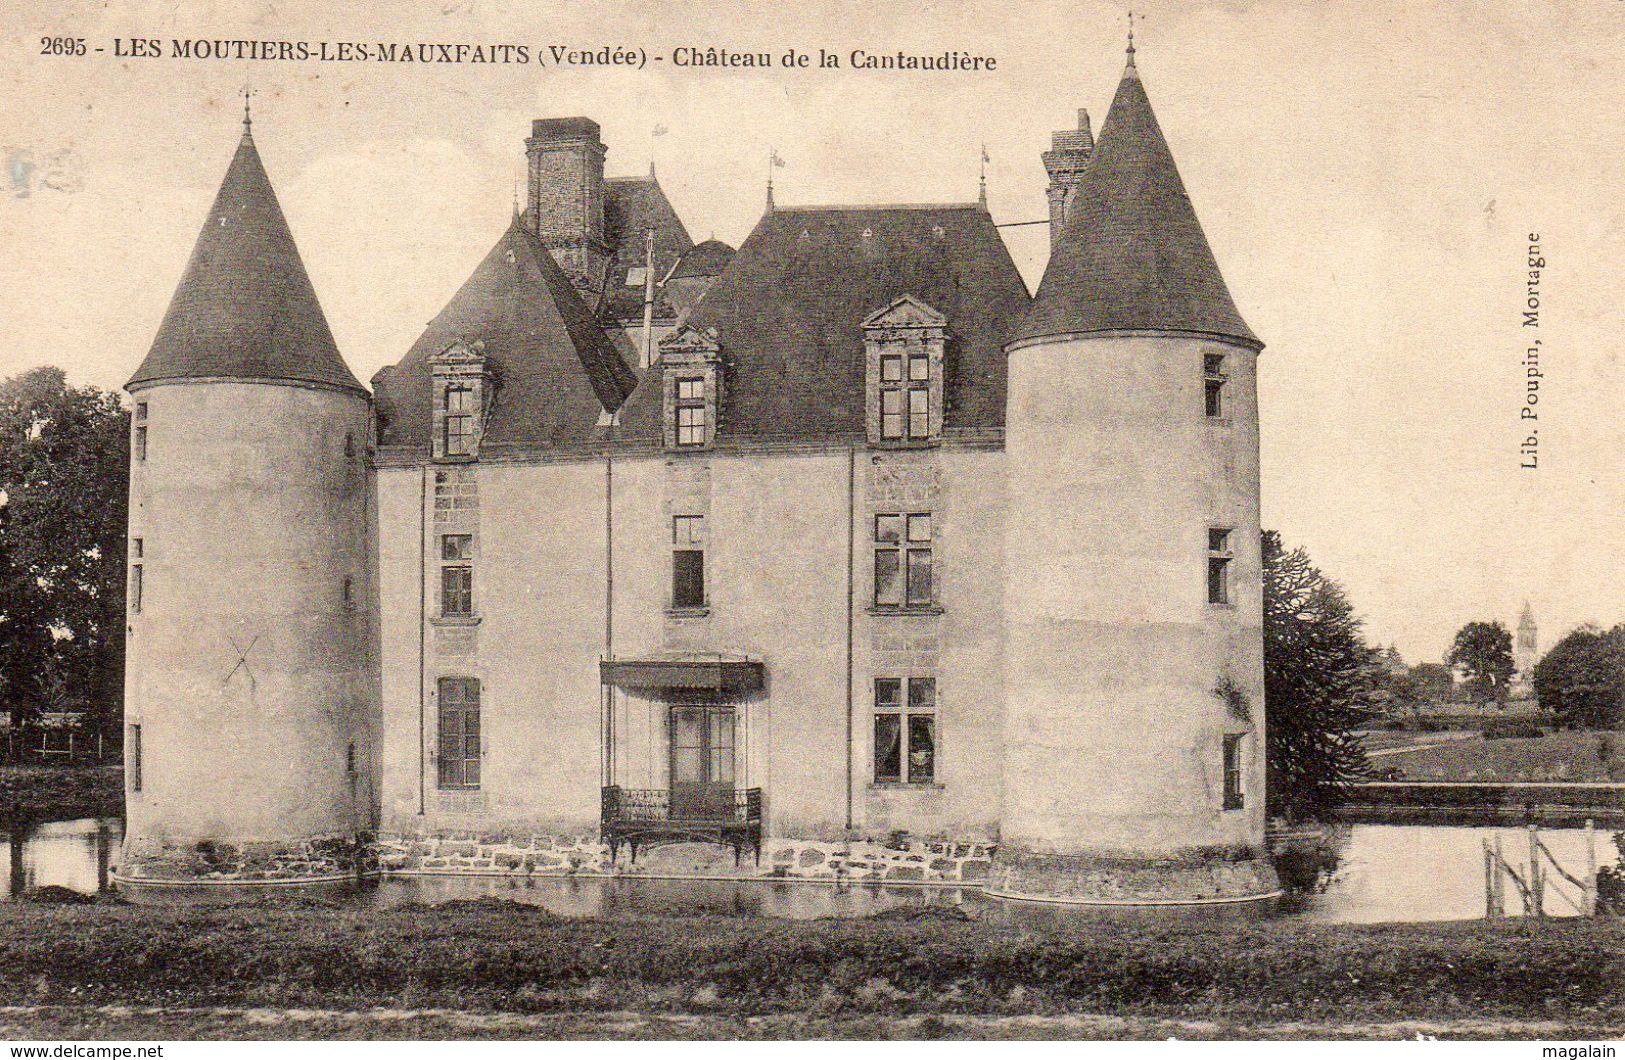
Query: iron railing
(644, 816)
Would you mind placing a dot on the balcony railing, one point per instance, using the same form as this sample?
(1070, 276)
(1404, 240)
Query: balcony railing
(642, 817)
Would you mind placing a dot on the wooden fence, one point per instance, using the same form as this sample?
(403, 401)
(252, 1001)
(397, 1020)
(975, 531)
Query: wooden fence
(1539, 877)
(42, 745)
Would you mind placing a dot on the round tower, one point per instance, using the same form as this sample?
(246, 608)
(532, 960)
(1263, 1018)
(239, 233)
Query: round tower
(1134, 714)
(248, 687)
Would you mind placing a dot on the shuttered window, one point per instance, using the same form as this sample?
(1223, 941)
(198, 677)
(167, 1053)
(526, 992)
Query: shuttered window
(459, 732)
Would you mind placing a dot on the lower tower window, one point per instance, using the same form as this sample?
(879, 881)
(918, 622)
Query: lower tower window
(1218, 566)
(1233, 799)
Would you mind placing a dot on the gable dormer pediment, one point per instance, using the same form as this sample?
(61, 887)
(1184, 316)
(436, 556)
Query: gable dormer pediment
(688, 342)
(460, 354)
(905, 312)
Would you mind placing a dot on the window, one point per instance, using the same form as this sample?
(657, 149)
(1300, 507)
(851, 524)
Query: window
(903, 560)
(137, 549)
(688, 561)
(691, 411)
(1218, 566)
(349, 590)
(140, 443)
(1232, 772)
(457, 575)
(1213, 378)
(349, 444)
(132, 755)
(459, 732)
(905, 737)
(905, 397)
(349, 759)
(459, 423)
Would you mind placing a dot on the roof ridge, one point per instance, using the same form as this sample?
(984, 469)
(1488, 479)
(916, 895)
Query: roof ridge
(832, 207)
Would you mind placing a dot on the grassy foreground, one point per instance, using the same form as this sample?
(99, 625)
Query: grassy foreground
(186, 970)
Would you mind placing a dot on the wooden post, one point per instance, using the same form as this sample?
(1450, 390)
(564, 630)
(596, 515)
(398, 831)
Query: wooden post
(1589, 901)
(1500, 881)
(1489, 882)
(1537, 890)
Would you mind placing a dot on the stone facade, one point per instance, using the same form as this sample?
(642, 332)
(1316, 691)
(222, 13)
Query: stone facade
(898, 860)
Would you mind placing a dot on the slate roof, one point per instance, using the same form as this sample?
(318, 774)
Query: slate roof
(1132, 255)
(704, 259)
(789, 307)
(555, 368)
(632, 205)
(245, 307)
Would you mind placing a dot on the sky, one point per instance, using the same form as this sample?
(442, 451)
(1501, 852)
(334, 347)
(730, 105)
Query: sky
(1368, 174)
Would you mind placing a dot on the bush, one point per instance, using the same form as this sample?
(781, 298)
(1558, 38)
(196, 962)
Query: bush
(1514, 732)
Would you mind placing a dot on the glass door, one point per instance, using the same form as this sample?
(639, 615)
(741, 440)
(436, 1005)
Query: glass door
(702, 761)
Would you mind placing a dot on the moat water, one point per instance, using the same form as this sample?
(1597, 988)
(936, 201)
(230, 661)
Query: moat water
(1369, 874)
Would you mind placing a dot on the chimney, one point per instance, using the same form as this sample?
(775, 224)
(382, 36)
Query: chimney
(1065, 161)
(566, 198)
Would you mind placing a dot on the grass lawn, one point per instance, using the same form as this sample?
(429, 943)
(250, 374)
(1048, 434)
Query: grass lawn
(489, 969)
(61, 792)
(1575, 757)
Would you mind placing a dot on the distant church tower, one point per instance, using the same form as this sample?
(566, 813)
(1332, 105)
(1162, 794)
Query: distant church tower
(1526, 649)
(250, 703)
(1134, 684)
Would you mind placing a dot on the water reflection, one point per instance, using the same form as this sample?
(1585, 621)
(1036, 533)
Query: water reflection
(1359, 874)
(1409, 872)
(75, 855)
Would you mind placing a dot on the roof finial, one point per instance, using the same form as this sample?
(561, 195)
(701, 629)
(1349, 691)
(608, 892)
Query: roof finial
(516, 199)
(248, 118)
(1131, 38)
(981, 180)
(773, 160)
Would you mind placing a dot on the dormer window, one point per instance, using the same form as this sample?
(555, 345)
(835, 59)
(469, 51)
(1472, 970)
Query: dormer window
(690, 366)
(459, 420)
(462, 396)
(905, 397)
(904, 352)
(691, 411)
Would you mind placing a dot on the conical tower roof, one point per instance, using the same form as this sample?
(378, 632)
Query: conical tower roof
(245, 308)
(1132, 256)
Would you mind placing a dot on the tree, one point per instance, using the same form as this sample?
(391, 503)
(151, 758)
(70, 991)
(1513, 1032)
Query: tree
(1317, 673)
(1433, 682)
(1582, 679)
(1483, 653)
(64, 467)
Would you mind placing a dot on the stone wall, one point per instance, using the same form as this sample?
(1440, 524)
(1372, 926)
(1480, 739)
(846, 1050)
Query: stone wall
(902, 861)
(222, 861)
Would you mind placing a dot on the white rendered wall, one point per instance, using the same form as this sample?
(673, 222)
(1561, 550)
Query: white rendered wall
(1113, 731)
(248, 670)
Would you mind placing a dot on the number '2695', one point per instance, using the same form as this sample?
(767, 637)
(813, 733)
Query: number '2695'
(62, 45)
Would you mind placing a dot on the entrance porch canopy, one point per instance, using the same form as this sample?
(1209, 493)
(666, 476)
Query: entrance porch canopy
(711, 671)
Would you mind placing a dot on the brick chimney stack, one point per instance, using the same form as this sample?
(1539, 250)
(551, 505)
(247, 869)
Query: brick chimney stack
(566, 197)
(1065, 160)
